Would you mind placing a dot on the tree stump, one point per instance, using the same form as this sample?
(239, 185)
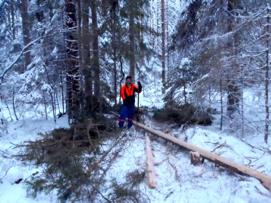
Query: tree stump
(196, 158)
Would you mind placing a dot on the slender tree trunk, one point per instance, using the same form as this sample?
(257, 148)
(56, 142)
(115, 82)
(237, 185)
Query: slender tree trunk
(80, 51)
(26, 31)
(221, 103)
(72, 75)
(86, 55)
(12, 12)
(132, 40)
(95, 44)
(233, 89)
(114, 43)
(62, 91)
(167, 37)
(163, 57)
(45, 106)
(267, 77)
(242, 101)
(53, 104)
(9, 111)
(14, 105)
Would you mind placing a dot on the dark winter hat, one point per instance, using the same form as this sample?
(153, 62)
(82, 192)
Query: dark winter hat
(129, 77)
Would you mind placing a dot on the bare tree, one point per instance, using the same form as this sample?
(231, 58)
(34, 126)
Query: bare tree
(163, 57)
(267, 77)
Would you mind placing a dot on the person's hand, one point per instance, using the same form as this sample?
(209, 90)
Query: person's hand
(139, 86)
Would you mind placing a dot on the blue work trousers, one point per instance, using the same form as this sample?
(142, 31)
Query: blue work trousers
(126, 112)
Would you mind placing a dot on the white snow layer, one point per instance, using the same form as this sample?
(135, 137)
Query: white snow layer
(177, 180)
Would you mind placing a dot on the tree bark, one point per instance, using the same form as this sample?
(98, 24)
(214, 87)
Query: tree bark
(12, 13)
(86, 55)
(72, 76)
(163, 57)
(26, 31)
(221, 103)
(95, 44)
(267, 78)
(132, 40)
(114, 24)
(233, 89)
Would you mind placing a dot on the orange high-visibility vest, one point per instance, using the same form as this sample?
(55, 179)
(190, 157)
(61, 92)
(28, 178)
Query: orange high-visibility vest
(128, 91)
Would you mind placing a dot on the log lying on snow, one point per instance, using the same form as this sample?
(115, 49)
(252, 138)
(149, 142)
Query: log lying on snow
(150, 165)
(227, 163)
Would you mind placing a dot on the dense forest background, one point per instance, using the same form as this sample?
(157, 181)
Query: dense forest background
(72, 56)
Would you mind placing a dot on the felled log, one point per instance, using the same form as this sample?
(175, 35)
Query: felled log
(150, 165)
(227, 163)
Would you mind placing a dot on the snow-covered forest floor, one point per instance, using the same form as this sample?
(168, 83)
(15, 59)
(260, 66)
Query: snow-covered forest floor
(177, 180)
(12, 170)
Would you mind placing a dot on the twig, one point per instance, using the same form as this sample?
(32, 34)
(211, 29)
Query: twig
(6, 173)
(100, 193)
(177, 176)
(219, 146)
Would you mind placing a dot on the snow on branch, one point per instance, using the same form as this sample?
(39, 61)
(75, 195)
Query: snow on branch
(18, 57)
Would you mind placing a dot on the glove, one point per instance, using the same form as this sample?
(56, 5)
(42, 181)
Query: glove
(139, 86)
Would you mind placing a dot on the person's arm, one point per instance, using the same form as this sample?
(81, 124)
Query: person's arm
(138, 87)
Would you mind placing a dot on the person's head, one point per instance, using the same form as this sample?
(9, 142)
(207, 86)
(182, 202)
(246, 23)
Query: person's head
(128, 80)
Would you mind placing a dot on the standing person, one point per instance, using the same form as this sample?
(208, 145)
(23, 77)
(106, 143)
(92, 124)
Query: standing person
(127, 93)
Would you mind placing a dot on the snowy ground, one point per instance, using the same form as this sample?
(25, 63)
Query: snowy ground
(177, 180)
(12, 170)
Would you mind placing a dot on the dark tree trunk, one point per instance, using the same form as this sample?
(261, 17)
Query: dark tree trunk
(233, 98)
(26, 31)
(95, 44)
(72, 76)
(132, 41)
(163, 57)
(12, 13)
(86, 56)
(114, 24)
(267, 77)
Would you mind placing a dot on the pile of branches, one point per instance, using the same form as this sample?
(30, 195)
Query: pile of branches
(74, 161)
(183, 114)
